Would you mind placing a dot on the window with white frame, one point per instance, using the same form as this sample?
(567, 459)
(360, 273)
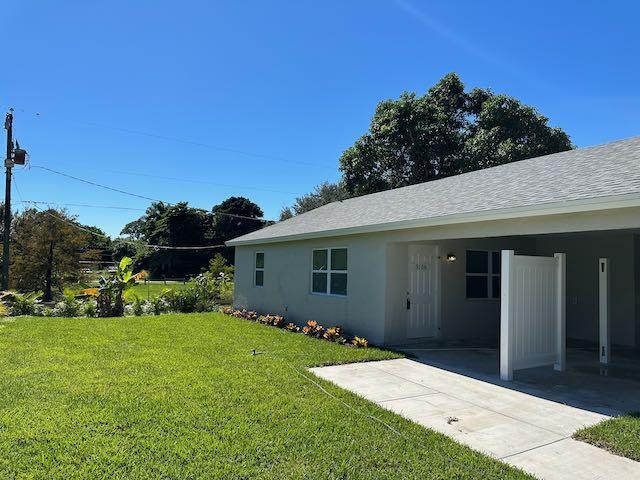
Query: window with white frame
(483, 274)
(329, 271)
(259, 270)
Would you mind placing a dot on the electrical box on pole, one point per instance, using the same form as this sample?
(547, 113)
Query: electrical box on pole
(19, 156)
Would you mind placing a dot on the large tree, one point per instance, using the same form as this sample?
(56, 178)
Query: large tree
(322, 194)
(47, 247)
(445, 132)
(232, 218)
(180, 225)
(172, 226)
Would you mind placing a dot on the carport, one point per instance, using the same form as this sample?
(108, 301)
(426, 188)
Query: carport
(528, 297)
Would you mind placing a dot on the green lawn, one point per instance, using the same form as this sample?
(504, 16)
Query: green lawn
(181, 397)
(619, 435)
(154, 288)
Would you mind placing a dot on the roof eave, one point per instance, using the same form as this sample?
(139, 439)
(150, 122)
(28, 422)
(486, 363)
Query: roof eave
(553, 208)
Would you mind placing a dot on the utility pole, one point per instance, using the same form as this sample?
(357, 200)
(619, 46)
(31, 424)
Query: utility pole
(8, 163)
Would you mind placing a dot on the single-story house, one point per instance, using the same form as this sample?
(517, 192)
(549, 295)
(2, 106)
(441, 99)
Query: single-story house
(447, 259)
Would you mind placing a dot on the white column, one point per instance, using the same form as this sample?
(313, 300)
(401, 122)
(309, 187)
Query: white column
(506, 316)
(604, 311)
(561, 312)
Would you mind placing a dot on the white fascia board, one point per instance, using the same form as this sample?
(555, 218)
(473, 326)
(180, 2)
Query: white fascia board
(554, 208)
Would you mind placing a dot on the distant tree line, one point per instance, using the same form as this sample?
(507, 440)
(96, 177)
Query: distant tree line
(446, 131)
(50, 249)
(180, 225)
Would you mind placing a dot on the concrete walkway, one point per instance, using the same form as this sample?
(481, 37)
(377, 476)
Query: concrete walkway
(521, 429)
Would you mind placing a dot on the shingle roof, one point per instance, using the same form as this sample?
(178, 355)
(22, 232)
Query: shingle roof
(587, 173)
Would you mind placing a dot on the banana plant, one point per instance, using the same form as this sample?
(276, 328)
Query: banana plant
(111, 289)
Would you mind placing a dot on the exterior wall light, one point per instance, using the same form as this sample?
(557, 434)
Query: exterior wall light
(451, 257)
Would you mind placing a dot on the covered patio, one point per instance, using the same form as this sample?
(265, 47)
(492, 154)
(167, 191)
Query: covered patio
(575, 290)
(585, 384)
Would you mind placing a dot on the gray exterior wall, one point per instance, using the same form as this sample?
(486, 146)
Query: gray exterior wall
(461, 318)
(583, 252)
(377, 283)
(287, 285)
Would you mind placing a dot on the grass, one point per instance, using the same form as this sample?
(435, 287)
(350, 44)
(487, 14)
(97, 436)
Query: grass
(181, 396)
(154, 288)
(619, 435)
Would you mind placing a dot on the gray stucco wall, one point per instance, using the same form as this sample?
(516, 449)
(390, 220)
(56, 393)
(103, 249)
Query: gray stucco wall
(583, 252)
(461, 318)
(287, 285)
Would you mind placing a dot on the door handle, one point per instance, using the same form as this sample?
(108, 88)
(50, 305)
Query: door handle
(408, 304)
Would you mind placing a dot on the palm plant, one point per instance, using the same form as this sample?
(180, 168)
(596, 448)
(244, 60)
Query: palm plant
(23, 303)
(111, 290)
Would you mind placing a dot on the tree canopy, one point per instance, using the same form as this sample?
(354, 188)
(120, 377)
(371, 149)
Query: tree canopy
(181, 225)
(444, 132)
(46, 249)
(232, 218)
(322, 194)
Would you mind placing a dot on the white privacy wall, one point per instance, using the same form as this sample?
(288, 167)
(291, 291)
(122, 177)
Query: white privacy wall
(532, 312)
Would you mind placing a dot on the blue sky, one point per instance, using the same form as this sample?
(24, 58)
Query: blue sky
(260, 98)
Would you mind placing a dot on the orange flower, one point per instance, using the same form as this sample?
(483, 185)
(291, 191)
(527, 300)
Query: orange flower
(140, 275)
(89, 291)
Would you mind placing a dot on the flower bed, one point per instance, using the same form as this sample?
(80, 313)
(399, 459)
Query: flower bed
(312, 328)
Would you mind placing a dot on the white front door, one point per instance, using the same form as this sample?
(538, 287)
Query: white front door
(423, 294)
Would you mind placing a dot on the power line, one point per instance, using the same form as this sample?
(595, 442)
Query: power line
(204, 182)
(80, 227)
(148, 245)
(83, 205)
(97, 184)
(124, 192)
(191, 142)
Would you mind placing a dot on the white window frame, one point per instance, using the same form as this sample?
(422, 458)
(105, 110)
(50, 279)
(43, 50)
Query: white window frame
(489, 275)
(256, 269)
(329, 271)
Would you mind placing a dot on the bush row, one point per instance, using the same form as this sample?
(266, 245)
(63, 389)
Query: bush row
(204, 293)
(312, 328)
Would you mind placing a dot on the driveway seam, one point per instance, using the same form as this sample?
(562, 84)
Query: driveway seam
(474, 404)
(410, 396)
(533, 448)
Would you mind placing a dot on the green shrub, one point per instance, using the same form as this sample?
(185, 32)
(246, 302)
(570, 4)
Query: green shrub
(218, 264)
(90, 308)
(183, 301)
(68, 306)
(137, 306)
(25, 303)
(158, 305)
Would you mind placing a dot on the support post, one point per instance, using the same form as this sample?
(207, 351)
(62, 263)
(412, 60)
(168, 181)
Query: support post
(506, 316)
(561, 312)
(604, 311)
(8, 163)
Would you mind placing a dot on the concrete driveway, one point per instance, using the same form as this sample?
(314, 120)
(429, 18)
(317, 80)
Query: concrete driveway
(513, 424)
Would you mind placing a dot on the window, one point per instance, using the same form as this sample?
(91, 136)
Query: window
(259, 273)
(483, 274)
(329, 271)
